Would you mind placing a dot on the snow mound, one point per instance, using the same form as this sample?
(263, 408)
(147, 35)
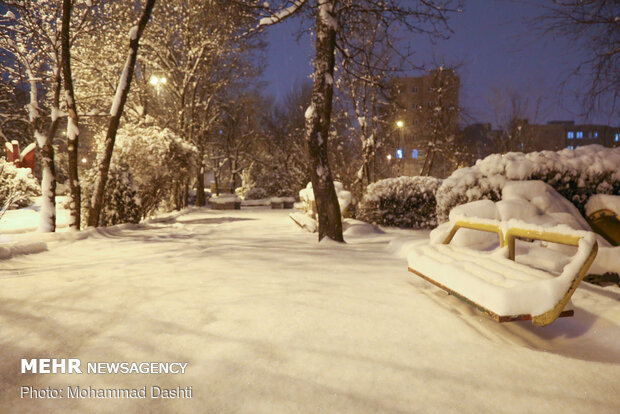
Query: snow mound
(10, 250)
(360, 228)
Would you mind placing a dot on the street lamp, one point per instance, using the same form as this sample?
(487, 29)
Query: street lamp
(157, 82)
(400, 124)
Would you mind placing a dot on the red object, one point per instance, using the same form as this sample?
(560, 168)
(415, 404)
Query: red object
(25, 159)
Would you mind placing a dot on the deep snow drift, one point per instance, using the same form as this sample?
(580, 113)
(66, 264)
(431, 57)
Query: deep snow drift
(270, 321)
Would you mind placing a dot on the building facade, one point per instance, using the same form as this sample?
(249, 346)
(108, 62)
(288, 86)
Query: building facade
(481, 140)
(425, 114)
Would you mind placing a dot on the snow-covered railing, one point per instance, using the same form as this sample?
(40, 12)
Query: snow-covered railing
(494, 283)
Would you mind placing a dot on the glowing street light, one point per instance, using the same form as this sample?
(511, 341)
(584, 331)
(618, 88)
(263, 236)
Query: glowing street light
(157, 82)
(84, 160)
(389, 157)
(400, 124)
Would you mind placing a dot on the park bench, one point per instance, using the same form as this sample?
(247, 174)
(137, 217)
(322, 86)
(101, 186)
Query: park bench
(497, 285)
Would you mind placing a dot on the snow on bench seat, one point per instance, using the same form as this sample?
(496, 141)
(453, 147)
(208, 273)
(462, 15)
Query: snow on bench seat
(491, 281)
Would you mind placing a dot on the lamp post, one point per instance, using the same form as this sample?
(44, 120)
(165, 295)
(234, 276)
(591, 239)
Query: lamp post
(399, 151)
(158, 82)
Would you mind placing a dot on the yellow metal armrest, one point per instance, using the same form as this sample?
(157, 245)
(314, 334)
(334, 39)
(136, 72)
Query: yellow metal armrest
(514, 233)
(488, 227)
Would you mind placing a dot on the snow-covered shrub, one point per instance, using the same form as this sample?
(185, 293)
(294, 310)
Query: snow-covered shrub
(157, 158)
(575, 174)
(121, 201)
(248, 189)
(255, 193)
(19, 182)
(402, 202)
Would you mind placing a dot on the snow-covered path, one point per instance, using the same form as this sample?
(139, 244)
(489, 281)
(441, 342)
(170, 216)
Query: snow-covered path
(270, 321)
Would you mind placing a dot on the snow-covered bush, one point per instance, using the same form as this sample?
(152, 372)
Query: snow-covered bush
(402, 202)
(248, 189)
(121, 201)
(157, 158)
(575, 174)
(19, 182)
(255, 193)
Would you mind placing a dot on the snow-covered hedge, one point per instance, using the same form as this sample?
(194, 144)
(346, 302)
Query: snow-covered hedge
(157, 158)
(121, 201)
(19, 182)
(254, 193)
(575, 174)
(402, 202)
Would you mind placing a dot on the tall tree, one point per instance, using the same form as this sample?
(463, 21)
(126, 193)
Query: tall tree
(14, 124)
(318, 118)
(440, 118)
(199, 53)
(334, 21)
(31, 39)
(116, 112)
(73, 131)
(363, 83)
(30, 36)
(512, 114)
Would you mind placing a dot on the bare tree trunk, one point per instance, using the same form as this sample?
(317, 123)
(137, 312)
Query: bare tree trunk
(318, 118)
(217, 184)
(47, 219)
(47, 216)
(72, 121)
(200, 186)
(116, 111)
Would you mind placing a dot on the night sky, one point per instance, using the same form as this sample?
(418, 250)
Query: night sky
(495, 46)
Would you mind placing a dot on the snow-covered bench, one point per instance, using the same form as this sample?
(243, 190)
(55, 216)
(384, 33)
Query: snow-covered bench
(282, 202)
(307, 219)
(225, 202)
(497, 285)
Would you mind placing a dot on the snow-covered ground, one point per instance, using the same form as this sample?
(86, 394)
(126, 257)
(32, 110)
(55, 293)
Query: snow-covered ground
(270, 321)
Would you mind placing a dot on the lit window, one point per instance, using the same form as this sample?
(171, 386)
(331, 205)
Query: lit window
(595, 134)
(617, 137)
(570, 135)
(579, 134)
(399, 153)
(570, 147)
(414, 154)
